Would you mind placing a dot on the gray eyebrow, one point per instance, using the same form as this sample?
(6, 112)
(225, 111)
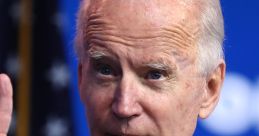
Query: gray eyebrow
(160, 66)
(96, 54)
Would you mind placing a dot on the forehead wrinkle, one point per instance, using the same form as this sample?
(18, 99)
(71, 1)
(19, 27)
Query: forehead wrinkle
(180, 32)
(160, 10)
(101, 31)
(171, 36)
(174, 57)
(96, 19)
(157, 59)
(102, 26)
(135, 10)
(106, 40)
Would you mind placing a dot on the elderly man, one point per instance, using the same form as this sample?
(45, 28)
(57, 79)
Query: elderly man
(146, 67)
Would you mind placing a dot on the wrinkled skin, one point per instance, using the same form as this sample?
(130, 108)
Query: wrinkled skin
(137, 75)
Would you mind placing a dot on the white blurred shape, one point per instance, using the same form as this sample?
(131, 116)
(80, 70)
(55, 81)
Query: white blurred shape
(232, 114)
(56, 127)
(255, 106)
(60, 20)
(15, 12)
(13, 65)
(59, 75)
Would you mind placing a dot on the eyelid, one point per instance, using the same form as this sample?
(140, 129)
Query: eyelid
(105, 60)
(163, 75)
(97, 65)
(167, 71)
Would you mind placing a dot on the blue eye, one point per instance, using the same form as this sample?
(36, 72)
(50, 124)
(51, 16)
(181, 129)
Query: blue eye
(105, 70)
(154, 75)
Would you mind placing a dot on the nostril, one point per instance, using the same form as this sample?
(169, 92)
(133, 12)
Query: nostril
(120, 111)
(123, 110)
(126, 101)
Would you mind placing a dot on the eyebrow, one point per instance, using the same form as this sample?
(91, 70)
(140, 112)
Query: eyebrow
(99, 55)
(160, 66)
(96, 54)
(159, 63)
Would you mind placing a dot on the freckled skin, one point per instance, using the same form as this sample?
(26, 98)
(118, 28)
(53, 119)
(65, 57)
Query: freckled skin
(126, 98)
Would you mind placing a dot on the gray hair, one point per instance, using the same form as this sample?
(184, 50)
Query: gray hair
(210, 42)
(80, 25)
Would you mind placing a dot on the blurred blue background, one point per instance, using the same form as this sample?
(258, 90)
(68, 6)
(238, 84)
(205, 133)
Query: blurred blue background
(44, 43)
(238, 111)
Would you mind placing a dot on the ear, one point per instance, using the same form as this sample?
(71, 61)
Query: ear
(211, 95)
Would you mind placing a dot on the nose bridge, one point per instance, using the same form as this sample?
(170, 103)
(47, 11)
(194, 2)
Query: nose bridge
(126, 99)
(127, 92)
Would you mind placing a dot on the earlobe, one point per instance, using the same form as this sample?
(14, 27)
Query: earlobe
(212, 90)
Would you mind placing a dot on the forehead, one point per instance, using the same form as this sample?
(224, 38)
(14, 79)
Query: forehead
(140, 23)
(138, 15)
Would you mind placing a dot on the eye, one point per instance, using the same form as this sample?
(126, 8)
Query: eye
(155, 75)
(105, 69)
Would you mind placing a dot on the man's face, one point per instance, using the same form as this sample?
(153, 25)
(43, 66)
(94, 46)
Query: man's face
(138, 75)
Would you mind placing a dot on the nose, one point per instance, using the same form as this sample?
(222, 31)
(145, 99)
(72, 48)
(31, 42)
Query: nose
(126, 103)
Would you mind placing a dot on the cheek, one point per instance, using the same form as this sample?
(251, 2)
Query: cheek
(96, 98)
(179, 106)
(97, 102)
(190, 98)
(189, 102)
(167, 113)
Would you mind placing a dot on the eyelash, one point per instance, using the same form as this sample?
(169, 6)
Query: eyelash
(104, 71)
(158, 75)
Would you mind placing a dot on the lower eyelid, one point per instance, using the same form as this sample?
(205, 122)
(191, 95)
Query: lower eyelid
(104, 78)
